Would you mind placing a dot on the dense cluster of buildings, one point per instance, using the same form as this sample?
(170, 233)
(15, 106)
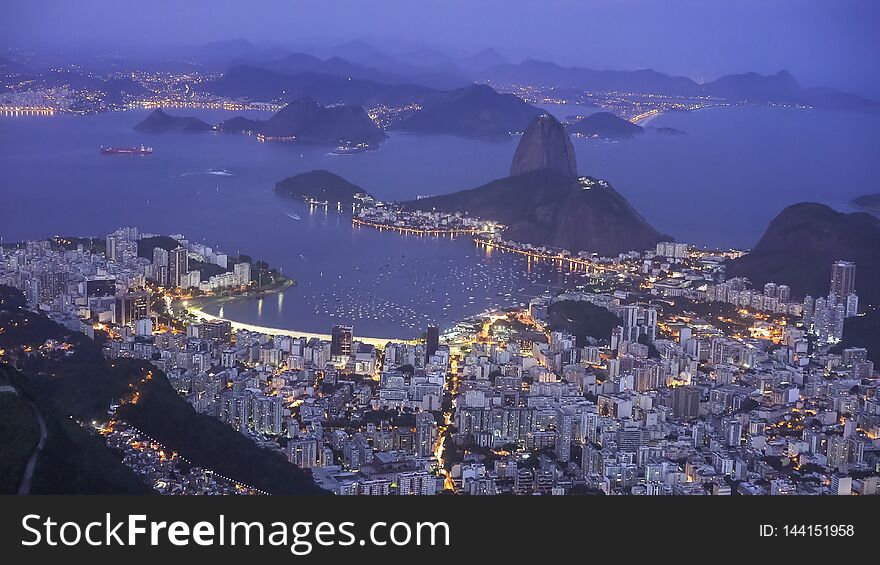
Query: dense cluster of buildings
(667, 402)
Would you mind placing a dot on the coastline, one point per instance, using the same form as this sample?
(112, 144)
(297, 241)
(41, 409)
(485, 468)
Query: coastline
(200, 302)
(194, 307)
(375, 341)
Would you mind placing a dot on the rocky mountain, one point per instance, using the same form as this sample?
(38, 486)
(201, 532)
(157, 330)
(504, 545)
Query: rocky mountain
(605, 125)
(320, 185)
(160, 122)
(309, 122)
(802, 242)
(544, 202)
(546, 207)
(544, 145)
(475, 111)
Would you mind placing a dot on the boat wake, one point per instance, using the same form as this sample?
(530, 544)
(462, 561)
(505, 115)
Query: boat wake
(215, 172)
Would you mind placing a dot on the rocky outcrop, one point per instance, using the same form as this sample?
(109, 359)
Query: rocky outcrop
(544, 145)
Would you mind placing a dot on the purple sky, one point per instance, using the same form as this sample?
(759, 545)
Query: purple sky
(822, 42)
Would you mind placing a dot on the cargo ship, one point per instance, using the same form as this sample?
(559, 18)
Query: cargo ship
(142, 150)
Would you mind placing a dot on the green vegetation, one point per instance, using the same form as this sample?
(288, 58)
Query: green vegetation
(582, 320)
(148, 244)
(863, 331)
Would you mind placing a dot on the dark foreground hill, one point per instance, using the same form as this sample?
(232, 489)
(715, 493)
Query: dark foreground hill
(71, 460)
(83, 384)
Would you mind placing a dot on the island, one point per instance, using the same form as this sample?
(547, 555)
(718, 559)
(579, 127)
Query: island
(160, 122)
(321, 187)
(604, 125)
(305, 121)
(868, 202)
(544, 202)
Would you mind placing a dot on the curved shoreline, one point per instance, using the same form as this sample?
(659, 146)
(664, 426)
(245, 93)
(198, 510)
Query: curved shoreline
(375, 341)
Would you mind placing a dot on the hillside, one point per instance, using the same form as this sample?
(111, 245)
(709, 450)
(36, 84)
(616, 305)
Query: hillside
(544, 202)
(802, 242)
(545, 207)
(70, 462)
(582, 320)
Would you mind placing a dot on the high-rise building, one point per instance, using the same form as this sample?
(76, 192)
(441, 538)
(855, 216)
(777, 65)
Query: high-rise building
(564, 426)
(112, 252)
(852, 305)
(160, 257)
(433, 341)
(843, 279)
(131, 307)
(784, 293)
(426, 434)
(178, 266)
(685, 402)
(242, 273)
(837, 452)
(340, 341)
(303, 452)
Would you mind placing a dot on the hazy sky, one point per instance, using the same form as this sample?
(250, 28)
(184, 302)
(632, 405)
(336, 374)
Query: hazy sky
(830, 42)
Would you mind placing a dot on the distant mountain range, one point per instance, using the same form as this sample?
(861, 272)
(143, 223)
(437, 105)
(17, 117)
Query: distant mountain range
(779, 88)
(551, 206)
